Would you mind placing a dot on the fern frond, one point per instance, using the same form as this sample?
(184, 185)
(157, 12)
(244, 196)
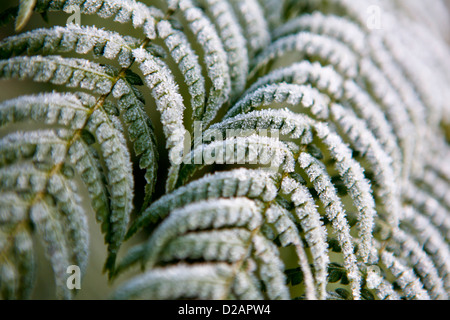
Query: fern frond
(312, 47)
(334, 26)
(61, 71)
(187, 61)
(254, 26)
(302, 151)
(140, 15)
(170, 239)
(112, 146)
(336, 214)
(412, 251)
(405, 277)
(313, 227)
(287, 233)
(215, 58)
(180, 281)
(169, 101)
(234, 43)
(64, 246)
(214, 214)
(342, 91)
(432, 241)
(255, 184)
(18, 273)
(305, 96)
(79, 39)
(266, 151)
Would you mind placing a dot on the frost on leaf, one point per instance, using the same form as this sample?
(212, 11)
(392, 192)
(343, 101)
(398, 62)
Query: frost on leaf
(258, 149)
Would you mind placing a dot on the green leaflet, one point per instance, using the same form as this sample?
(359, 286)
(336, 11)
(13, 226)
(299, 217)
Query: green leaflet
(25, 10)
(61, 71)
(80, 155)
(55, 210)
(258, 184)
(205, 282)
(176, 239)
(75, 38)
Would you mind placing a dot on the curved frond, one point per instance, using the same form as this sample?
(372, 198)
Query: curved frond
(257, 149)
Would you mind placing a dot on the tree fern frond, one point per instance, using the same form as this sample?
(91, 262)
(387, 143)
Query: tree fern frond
(215, 58)
(180, 281)
(71, 38)
(436, 186)
(255, 184)
(287, 232)
(266, 151)
(336, 214)
(18, 273)
(334, 26)
(423, 265)
(50, 108)
(117, 161)
(355, 182)
(405, 277)
(188, 64)
(213, 246)
(305, 96)
(329, 82)
(326, 50)
(61, 71)
(139, 14)
(432, 241)
(112, 146)
(254, 26)
(381, 163)
(234, 43)
(313, 227)
(430, 207)
(258, 149)
(215, 214)
(49, 215)
(169, 101)
(220, 245)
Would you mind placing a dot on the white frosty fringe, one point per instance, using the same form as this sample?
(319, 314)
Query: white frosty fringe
(123, 11)
(336, 214)
(169, 101)
(80, 39)
(254, 26)
(310, 46)
(303, 96)
(234, 43)
(406, 279)
(187, 61)
(286, 231)
(315, 231)
(376, 89)
(207, 281)
(423, 265)
(433, 242)
(202, 215)
(215, 58)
